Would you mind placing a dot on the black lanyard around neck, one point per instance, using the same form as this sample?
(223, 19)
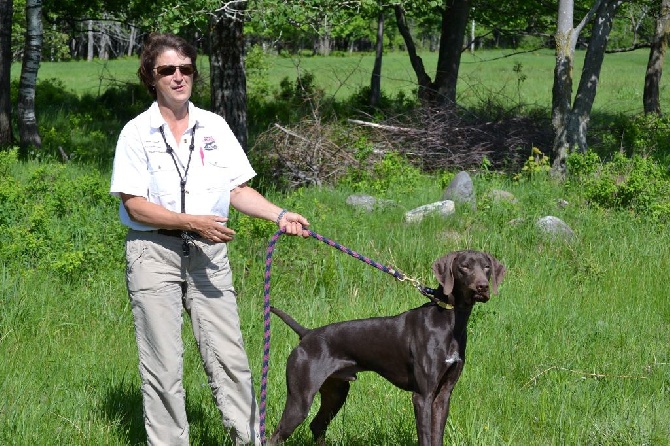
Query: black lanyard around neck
(182, 178)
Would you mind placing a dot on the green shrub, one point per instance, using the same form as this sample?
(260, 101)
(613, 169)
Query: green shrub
(392, 173)
(644, 134)
(638, 184)
(59, 218)
(583, 164)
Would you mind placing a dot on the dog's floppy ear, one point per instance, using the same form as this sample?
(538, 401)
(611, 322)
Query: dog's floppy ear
(443, 273)
(497, 273)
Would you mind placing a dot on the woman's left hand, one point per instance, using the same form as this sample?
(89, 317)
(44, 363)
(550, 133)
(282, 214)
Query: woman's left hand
(294, 224)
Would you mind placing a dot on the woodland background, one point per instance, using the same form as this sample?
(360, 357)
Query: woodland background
(233, 34)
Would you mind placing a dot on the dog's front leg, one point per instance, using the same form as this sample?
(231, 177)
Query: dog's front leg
(422, 415)
(441, 402)
(439, 415)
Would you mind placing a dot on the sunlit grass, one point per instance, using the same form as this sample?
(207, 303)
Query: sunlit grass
(572, 351)
(505, 75)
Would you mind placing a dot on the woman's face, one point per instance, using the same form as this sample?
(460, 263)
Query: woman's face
(172, 90)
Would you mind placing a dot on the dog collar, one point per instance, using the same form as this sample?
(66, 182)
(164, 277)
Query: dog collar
(444, 305)
(430, 294)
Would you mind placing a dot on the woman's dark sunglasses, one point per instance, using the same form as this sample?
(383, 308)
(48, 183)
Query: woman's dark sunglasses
(168, 70)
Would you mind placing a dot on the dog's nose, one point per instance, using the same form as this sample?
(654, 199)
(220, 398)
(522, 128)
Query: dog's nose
(482, 287)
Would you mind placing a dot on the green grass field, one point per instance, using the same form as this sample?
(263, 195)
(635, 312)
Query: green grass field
(483, 74)
(573, 351)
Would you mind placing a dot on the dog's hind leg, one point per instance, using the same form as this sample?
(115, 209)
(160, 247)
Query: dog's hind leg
(333, 395)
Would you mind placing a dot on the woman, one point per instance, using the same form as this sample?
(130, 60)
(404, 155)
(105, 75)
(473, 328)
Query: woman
(177, 169)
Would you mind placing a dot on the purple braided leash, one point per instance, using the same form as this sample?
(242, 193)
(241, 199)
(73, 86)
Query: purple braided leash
(266, 309)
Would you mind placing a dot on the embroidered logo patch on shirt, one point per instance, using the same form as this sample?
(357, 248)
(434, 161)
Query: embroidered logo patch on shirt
(210, 144)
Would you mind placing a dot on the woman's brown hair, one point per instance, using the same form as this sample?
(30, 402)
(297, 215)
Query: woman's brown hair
(154, 46)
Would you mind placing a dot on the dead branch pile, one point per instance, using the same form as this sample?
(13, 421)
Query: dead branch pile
(313, 153)
(309, 153)
(441, 139)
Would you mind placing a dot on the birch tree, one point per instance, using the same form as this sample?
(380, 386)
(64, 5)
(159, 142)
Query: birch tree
(570, 118)
(28, 130)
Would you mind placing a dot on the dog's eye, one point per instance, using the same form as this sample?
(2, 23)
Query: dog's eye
(464, 269)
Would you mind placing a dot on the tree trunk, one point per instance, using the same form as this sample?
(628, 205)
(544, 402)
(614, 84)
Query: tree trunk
(131, 40)
(424, 81)
(659, 43)
(28, 131)
(454, 24)
(6, 136)
(227, 74)
(376, 81)
(103, 52)
(570, 122)
(91, 41)
(324, 39)
(593, 62)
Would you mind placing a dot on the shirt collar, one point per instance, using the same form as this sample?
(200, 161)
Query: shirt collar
(156, 120)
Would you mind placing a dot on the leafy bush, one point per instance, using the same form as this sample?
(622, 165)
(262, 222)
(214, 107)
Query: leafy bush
(388, 105)
(639, 184)
(58, 218)
(644, 134)
(257, 67)
(392, 173)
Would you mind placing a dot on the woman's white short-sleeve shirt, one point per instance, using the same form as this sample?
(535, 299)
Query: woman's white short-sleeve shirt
(144, 167)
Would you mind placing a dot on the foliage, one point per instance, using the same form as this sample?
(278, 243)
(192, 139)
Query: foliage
(388, 105)
(56, 218)
(537, 164)
(637, 184)
(390, 174)
(642, 134)
(257, 67)
(634, 24)
(301, 24)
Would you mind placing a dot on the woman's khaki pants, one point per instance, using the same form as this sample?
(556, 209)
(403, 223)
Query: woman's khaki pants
(161, 283)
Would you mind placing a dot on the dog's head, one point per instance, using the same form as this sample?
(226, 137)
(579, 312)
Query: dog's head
(467, 274)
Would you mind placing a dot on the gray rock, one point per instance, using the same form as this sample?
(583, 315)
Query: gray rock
(461, 190)
(362, 201)
(443, 208)
(498, 195)
(367, 202)
(555, 227)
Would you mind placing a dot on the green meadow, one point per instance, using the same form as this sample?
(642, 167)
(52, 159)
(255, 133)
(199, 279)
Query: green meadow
(524, 77)
(572, 351)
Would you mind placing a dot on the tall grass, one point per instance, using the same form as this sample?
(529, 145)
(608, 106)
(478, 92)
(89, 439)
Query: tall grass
(574, 349)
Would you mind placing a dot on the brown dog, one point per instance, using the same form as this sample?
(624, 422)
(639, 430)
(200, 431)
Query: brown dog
(421, 350)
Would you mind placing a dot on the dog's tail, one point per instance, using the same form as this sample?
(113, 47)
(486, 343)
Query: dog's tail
(288, 320)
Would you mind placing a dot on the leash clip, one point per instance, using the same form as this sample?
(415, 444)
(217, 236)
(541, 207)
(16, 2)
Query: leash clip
(428, 292)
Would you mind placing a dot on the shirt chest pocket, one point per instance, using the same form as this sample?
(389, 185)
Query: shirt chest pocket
(216, 176)
(164, 184)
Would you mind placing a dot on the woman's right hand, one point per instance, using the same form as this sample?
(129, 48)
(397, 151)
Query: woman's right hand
(212, 228)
